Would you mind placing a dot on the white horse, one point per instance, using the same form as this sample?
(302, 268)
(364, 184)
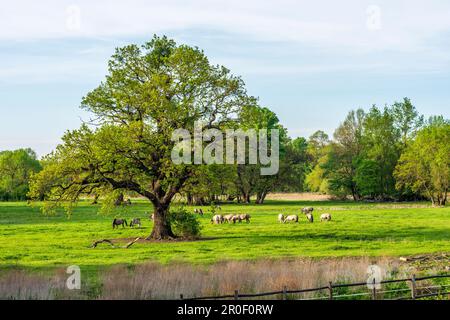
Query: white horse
(217, 219)
(291, 218)
(244, 216)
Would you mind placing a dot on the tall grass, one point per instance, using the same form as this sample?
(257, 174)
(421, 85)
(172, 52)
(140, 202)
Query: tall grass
(158, 281)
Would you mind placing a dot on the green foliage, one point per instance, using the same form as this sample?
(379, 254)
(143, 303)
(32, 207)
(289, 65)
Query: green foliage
(292, 157)
(407, 119)
(149, 91)
(316, 179)
(366, 149)
(367, 178)
(16, 169)
(316, 145)
(184, 223)
(425, 165)
(381, 145)
(342, 155)
(294, 166)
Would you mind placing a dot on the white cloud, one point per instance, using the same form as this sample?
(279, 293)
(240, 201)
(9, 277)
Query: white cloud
(275, 37)
(405, 25)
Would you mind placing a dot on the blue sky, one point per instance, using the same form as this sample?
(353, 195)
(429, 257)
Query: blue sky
(310, 62)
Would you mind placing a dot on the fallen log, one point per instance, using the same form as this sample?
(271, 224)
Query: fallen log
(129, 244)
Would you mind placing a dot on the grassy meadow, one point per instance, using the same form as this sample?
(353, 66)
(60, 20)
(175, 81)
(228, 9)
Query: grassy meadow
(33, 241)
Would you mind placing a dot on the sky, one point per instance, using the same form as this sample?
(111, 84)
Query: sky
(309, 61)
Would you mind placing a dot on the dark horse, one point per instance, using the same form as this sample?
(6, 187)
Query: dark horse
(118, 222)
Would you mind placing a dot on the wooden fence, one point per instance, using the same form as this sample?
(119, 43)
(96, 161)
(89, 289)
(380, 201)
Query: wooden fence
(331, 291)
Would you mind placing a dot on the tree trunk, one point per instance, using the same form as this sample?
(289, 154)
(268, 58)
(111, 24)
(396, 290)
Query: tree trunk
(161, 226)
(260, 197)
(445, 197)
(189, 198)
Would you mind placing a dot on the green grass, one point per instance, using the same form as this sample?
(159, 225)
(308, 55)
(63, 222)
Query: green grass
(30, 240)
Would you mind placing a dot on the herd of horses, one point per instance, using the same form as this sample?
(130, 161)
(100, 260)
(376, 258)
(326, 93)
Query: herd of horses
(308, 212)
(232, 218)
(123, 222)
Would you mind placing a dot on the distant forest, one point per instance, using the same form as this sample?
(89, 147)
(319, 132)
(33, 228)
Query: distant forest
(384, 154)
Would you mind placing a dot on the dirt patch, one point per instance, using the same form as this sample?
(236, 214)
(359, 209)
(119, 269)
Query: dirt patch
(306, 196)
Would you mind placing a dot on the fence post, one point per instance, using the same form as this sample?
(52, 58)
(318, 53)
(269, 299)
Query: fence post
(374, 290)
(284, 293)
(413, 287)
(236, 294)
(181, 296)
(330, 290)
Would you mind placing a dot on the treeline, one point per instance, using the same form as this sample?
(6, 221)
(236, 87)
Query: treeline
(384, 154)
(16, 168)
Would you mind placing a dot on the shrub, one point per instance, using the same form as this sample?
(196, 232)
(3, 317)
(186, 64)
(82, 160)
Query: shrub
(184, 223)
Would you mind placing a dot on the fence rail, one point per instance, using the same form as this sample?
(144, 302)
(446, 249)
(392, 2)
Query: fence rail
(332, 293)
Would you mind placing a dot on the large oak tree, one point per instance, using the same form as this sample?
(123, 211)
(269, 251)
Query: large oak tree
(150, 91)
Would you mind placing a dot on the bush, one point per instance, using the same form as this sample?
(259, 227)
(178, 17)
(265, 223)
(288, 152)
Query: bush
(184, 223)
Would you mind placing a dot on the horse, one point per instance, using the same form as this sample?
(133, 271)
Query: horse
(291, 218)
(217, 219)
(198, 211)
(244, 216)
(135, 222)
(307, 210)
(228, 218)
(117, 222)
(325, 217)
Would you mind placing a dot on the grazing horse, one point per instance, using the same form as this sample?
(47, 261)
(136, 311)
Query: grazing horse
(228, 218)
(117, 222)
(217, 219)
(325, 217)
(291, 218)
(310, 217)
(245, 217)
(307, 210)
(235, 218)
(135, 222)
(198, 211)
